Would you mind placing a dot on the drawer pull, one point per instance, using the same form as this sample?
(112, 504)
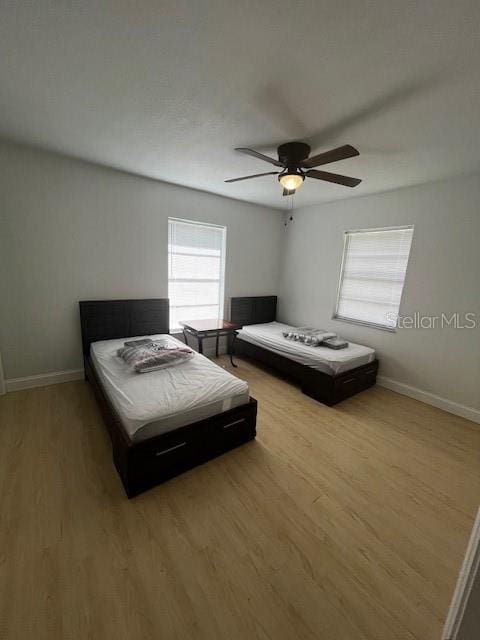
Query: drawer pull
(348, 380)
(177, 446)
(232, 424)
(370, 371)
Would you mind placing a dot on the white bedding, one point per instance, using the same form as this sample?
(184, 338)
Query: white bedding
(331, 361)
(152, 403)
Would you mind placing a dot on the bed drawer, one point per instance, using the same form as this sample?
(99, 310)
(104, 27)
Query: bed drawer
(233, 432)
(355, 380)
(228, 430)
(348, 383)
(369, 374)
(177, 448)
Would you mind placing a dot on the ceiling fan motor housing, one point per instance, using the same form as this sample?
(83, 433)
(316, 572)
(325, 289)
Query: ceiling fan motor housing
(291, 154)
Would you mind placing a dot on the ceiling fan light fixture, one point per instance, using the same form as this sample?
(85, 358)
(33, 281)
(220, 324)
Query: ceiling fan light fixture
(291, 181)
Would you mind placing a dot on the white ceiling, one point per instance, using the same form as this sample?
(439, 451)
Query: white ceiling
(168, 89)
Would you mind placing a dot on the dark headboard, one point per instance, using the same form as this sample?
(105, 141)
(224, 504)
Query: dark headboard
(253, 310)
(109, 319)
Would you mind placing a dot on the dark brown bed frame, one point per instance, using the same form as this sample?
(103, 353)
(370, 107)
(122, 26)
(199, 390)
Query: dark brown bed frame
(325, 388)
(142, 465)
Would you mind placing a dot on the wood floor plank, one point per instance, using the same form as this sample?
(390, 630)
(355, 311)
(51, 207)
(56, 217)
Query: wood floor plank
(345, 523)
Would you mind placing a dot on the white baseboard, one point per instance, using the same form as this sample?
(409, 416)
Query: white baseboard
(429, 398)
(43, 379)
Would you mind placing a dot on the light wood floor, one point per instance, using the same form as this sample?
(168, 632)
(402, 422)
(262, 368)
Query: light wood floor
(344, 523)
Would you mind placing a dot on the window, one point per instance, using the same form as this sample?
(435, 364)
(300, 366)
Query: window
(372, 276)
(196, 270)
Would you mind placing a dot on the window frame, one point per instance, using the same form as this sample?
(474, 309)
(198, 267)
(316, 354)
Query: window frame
(221, 303)
(365, 323)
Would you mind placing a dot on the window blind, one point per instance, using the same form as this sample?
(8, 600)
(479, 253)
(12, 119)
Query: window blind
(372, 276)
(196, 270)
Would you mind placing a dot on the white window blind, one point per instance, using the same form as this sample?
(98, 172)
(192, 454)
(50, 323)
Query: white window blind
(372, 276)
(196, 270)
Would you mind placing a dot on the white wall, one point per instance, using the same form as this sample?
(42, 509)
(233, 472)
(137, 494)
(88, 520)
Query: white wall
(70, 230)
(443, 276)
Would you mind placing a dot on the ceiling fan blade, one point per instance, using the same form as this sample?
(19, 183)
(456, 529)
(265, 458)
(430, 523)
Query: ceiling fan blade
(288, 192)
(333, 177)
(340, 153)
(255, 175)
(260, 156)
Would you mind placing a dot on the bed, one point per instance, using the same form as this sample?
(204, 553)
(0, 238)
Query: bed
(163, 422)
(327, 375)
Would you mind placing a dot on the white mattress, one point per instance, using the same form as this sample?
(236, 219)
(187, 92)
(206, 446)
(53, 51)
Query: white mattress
(331, 361)
(149, 404)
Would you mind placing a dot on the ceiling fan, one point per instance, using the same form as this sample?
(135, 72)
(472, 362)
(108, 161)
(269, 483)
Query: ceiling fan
(296, 165)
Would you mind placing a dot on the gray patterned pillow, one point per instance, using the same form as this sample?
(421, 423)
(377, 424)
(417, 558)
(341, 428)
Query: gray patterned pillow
(309, 335)
(154, 356)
